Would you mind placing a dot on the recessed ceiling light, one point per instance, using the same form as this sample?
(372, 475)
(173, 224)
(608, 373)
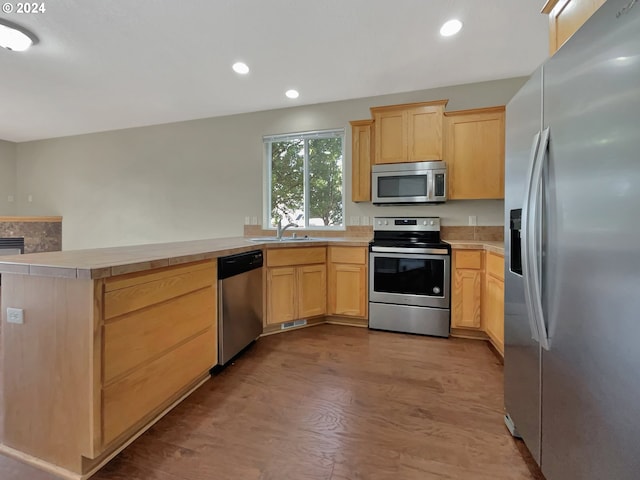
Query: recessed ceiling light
(292, 93)
(450, 28)
(241, 68)
(13, 37)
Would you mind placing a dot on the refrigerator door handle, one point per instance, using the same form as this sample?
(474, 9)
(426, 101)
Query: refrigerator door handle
(534, 229)
(526, 268)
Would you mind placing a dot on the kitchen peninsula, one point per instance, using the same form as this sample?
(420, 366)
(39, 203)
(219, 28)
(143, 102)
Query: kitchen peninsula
(110, 340)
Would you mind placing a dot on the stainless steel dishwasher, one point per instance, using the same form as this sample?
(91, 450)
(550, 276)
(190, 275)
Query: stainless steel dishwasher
(240, 302)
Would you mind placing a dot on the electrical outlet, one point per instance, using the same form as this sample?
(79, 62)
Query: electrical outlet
(473, 220)
(247, 220)
(15, 315)
(254, 220)
(365, 220)
(30, 198)
(355, 220)
(10, 199)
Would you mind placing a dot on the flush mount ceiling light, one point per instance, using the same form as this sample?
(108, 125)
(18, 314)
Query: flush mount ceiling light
(241, 68)
(14, 37)
(292, 93)
(450, 28)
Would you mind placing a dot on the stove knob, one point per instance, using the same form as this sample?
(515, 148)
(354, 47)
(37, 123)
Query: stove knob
(379, 222)
(431, 222)
(424, 222)
(386, 222)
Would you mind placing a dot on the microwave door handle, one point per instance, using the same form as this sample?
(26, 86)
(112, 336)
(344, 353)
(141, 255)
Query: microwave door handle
(430, 191)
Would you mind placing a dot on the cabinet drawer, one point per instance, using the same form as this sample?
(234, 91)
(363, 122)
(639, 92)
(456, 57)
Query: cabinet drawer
(468, 259)
(132, 292)
(283, 257)
(495, 265)
(145, 392)
(354, 255)
(134, 339)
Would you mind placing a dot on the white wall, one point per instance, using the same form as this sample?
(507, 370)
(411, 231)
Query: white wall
(7, 177)
(201, 178)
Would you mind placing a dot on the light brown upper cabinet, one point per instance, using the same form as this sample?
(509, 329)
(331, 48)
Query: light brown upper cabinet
(474, 152)
(361, 153)
(566, 17)
(408, 133)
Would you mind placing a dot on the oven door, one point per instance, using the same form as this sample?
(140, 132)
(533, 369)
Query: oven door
(410, 279)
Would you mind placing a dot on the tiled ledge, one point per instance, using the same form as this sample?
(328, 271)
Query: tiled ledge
(30, 219)
(489, 233)
(487, 245)
(365, 231)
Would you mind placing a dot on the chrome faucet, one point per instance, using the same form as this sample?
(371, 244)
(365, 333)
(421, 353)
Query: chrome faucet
(280, 229)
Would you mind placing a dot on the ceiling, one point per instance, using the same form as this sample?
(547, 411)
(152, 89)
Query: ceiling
(104, 65)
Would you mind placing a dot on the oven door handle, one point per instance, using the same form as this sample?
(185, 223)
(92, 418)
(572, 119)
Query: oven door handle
(426, 251)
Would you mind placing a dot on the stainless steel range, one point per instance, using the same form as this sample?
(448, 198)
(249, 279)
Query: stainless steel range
(409, 276)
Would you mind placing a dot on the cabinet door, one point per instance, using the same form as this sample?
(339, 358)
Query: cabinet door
(390, 136)
(494, 311)
(348, 290)
(465, 298)
(425, 133)
(361, 151)
(566, 17)
(281, 294)
(312, 291)
(475, 154)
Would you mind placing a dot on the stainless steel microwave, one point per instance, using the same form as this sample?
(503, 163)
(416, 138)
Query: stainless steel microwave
(403, 183)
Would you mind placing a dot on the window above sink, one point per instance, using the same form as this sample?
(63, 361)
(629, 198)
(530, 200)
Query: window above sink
(305, 175)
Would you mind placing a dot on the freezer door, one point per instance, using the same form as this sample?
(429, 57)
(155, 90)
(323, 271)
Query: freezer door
(591, 374)
(522, 351)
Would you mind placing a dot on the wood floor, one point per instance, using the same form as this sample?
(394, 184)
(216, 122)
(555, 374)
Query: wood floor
(333, 403)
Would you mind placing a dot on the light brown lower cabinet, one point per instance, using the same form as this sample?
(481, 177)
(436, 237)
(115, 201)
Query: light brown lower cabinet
(466, 290)
(108, 358)
(312, 294)
(493, 300)
(296, 284)
(348, 281)
(477, 296)
(281, 285)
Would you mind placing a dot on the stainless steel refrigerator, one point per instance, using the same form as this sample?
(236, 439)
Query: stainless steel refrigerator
(572, 253)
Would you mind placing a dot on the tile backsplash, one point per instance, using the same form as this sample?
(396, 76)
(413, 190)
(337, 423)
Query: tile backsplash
(489, 234)
(38, 236)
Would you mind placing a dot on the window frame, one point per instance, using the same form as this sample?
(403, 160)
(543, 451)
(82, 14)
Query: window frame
(306, 136)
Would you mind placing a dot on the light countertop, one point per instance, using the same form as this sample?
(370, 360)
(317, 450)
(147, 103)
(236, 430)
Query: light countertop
(108, 262)
(489, 246)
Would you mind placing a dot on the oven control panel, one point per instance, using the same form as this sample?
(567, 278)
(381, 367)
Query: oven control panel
(413, 224)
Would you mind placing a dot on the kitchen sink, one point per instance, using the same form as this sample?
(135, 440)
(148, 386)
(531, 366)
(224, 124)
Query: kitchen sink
(284, 239)
(264, 239)
(297, 239)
